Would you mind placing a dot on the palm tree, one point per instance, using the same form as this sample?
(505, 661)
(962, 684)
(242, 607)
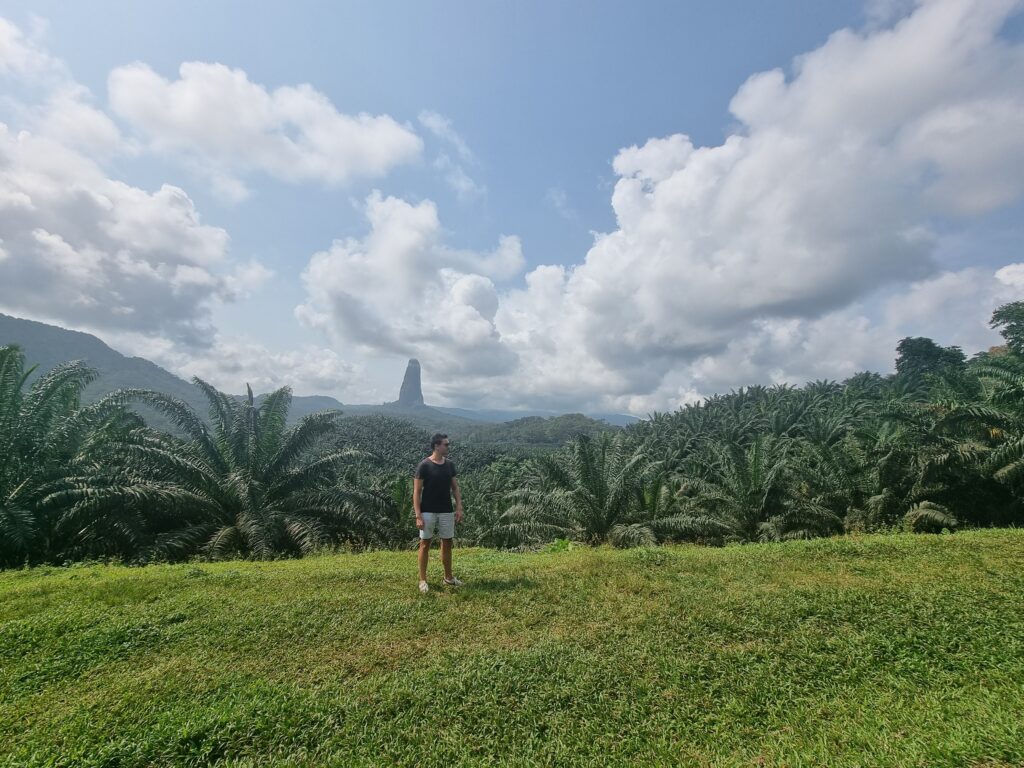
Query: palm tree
(44, 434)
(396, 525)
(942, 450)
(927, 517)
(746, 494)
(488, 492)
(591, 491)
(246, 486)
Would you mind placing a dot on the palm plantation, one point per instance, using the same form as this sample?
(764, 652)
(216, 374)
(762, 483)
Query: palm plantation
(937, 446)
(243, 484)
(592, 491)
(45, 434)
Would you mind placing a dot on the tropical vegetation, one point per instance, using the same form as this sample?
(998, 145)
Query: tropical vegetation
(936, 446)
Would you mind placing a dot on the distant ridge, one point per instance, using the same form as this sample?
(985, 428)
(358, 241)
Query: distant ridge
(48, 345)
(499, 416)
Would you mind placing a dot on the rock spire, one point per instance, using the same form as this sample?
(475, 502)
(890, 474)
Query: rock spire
(411, 392)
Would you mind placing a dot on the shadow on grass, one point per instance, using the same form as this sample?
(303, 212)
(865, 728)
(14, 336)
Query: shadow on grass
(500, 585)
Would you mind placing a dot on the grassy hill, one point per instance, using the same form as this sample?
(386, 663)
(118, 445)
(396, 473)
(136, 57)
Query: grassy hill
(883, 651)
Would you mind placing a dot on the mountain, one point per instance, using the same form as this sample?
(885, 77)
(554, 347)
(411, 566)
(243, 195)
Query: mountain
(47, 345)
(411, 393)
(425, 416)
(499, 416)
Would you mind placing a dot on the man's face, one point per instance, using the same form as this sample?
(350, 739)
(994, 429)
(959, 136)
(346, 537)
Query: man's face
(443, 447)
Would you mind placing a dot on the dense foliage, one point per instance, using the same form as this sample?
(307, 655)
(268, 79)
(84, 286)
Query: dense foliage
(45, 436)
(551, 432)
(939, 445)
(936, 446)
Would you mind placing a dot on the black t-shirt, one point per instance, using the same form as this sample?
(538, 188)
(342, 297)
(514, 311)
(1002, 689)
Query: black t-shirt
(437, 485)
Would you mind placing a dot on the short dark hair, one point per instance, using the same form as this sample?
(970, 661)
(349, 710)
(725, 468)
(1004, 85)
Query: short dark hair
(437, 438)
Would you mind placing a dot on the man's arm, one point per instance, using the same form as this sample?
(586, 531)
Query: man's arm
(417, 493)
(458, 500)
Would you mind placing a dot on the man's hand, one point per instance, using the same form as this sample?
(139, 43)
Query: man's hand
(458, 514)
(419, 521)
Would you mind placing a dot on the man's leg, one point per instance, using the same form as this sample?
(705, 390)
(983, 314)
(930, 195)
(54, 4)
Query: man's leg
(446, 557)
(424, 556)
(426, 535)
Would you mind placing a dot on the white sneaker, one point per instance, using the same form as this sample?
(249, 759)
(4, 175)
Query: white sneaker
(424, 587)
(453, 582)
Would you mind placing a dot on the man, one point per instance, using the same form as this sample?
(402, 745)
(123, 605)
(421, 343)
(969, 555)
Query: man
(432, 488)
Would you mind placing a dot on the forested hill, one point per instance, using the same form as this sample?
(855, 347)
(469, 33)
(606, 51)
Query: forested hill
(537, 430)
(47, 345)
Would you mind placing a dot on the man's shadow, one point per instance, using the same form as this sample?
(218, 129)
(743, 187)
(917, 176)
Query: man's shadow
(501, 585)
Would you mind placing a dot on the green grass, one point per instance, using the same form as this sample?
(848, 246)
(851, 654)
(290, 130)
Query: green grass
(899, 650)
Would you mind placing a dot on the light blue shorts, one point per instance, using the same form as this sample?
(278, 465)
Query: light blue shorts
(441, 523)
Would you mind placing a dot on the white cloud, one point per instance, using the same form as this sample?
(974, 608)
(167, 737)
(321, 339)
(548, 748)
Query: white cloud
(800, 247)
(1012, 276)
(953, 308)
(60, 109)
(454, 172)
(24, 57)
(762, 259)
(557, 198)
(87, 250)
(69, 118)
(248, 278)
(455, 176)
(402, 291)
(228, 126)
(825, 194)
(231, 362)
(442, 128)
(140, 269)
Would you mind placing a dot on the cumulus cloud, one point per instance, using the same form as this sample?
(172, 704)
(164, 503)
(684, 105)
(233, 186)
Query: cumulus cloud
(762, 259)
(229, 126)
(802, 246)
(24, 57)
(826, 193)
(55, 105)
(953, 307)
(69, 117)
(401, 290)
(455, 176)
(92, 251)
(87, 250)
(231, 362)
(138, 268)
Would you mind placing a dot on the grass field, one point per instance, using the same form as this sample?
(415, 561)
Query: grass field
(899, 650)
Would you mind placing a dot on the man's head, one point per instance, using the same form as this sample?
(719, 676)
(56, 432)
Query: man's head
(439, 444)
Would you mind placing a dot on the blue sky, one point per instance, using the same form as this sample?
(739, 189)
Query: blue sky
(534, 102)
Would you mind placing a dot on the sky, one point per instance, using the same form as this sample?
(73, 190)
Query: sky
(599, 206)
